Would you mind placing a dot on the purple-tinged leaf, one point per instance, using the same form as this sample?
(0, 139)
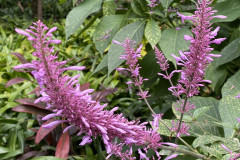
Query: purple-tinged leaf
(63, 146)
(15, 81)
(28, 155)
(30, 101)
(42, 132)
(31, 109)
(20, 57)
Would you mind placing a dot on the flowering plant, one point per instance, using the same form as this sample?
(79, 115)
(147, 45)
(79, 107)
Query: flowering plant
(75, 108)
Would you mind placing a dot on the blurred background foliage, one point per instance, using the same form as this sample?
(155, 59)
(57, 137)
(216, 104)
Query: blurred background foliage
(86, 29)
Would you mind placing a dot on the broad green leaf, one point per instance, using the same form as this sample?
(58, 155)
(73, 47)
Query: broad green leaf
(230, 52)
(104, 29)
(47, 158)
(152, 32)
(229, 8)
(150, 68)
(200, 111)
(109, 7)
(102, 64)
(216, 74)
(231, 143)
(166, 3)
(77, 15)
(136, 7)
(235, 34)
(3, 150)
(229, 105)
(133, 31)
(172, 41)
(212, 151)
(205, 123)
(205, 139)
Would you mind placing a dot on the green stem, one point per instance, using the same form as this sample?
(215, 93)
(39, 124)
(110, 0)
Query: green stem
(173, 149)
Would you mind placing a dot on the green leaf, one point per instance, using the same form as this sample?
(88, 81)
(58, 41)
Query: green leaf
(216, 74)
(172, 41)
(149, 66)
(206, 123)
(229, 105)
(104, 29)
(47, 158)
(229, 8)
(77, 15)
(200, 111)
(166, 3)
(205, 139)
(109, 7)
(10, 154)
(101, 65)
(212, 151)
(230, 52)
(136, 7)
(133, 31)
(152, 32)
(3, 150)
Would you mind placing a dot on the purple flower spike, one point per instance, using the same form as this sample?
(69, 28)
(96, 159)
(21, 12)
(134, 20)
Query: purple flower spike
(172, 156)
(197, 59)
(85, 140)
(65, 99)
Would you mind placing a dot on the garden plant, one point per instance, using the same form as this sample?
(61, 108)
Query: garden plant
(133, 79)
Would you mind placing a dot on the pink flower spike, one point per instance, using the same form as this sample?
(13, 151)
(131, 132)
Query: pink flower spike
(86, 139)
(50, 125)
(120, 69)
(214, 33)
(142, 155)
(67, 128)
(238, 119)
(76, 68)
(116, 42)
(24, 66)
(188, 38)
(172, 156)
(218, 41)
(51, 30)
(49, 116)
(220, 17)
(224, 147)
(56, 41)
(171, 144)
(139, 49)
(19, 31)
(207, 81)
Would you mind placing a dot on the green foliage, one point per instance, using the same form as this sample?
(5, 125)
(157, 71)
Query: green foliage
(172, 40)
(76, 17)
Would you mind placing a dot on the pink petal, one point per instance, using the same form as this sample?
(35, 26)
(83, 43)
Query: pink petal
(86, 139)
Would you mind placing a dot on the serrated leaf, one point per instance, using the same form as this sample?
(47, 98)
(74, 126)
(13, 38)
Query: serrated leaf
(78, 14)
(102, 64)
(172, 41)
(230, 52)
(229, 105)
(136, 7)
(166, 3)
(200, 111)
(152, 32)
(212, 151)
(216, 74)
(205, 139)
(133, 31)
(109, 7)
(206, 123)
(229, 8)
(104, 29)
